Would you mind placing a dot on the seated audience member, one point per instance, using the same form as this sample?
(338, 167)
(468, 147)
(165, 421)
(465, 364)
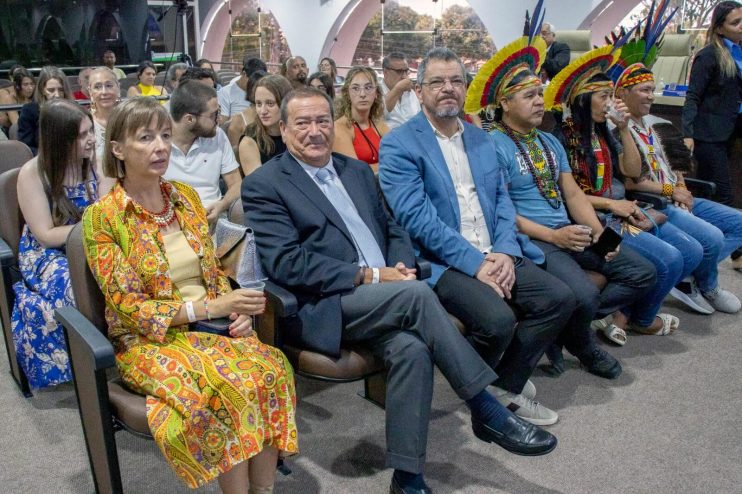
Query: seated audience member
(232, 97)
(360, 126)
(543, 190)
(19, 94)
(262, 139)
(599, 164)
(323, 82)
(664, 159)
(104, 95)
(172, 77)
(328, 67)
(295, 70)
(433, 173)
(400, 100)
(557, 54)
(146, 73)
(201, 75)
(201, 153)
(323, 233)
(83, 81)
(247, 116)
(53, 190)
(109, 60)
(202, 63)
(194, 381)
(52, 84)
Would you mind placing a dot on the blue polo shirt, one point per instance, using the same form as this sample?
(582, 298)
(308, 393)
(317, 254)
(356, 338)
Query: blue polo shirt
(736, 52)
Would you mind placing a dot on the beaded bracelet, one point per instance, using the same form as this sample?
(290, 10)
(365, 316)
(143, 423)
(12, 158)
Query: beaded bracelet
(667, 190)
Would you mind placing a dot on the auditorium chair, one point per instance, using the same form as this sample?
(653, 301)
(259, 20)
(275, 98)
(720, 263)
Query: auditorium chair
(106, 405)
(579, 42)
(11, 225)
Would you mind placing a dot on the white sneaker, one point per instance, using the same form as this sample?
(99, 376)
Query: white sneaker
(723, 300)
(688, 293)
(529, 390)
(525, 408)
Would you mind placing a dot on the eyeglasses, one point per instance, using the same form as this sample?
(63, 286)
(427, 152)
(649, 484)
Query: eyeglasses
(211, 116)
(400, 71)
(368, 88)
(438, 84)
(100, 86)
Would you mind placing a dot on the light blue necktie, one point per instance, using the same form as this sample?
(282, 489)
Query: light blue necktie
(369, 253)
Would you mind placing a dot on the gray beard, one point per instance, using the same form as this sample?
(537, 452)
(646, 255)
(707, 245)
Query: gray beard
(447, 113)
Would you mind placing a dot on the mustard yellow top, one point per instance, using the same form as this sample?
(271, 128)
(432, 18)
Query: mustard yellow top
(185, 269)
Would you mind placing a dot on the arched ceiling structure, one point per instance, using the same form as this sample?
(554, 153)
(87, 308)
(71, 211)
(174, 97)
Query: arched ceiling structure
(317, 28)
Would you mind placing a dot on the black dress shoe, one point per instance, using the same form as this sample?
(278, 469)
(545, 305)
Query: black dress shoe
(601, 363)
(517, 436)
(396, 489)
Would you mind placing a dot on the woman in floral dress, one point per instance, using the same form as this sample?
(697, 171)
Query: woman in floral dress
(53, 190)
(219, 406)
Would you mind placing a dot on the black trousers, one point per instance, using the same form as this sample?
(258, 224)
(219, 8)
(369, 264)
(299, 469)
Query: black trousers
(713, 164)
(540, 305)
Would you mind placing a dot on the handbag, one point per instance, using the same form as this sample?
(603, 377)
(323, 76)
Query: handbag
(237, 252)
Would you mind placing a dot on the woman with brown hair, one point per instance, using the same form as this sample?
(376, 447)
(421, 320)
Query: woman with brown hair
(323, 82)
(359, 124)
(53, 190)
(19, 94)
(220, 405)
(147, 73)
(262, 139)
(238, 123)
(52, 84)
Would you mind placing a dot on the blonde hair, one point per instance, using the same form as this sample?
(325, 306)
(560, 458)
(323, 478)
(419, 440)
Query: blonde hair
(125, 120)
(343, 102)
(727, 65)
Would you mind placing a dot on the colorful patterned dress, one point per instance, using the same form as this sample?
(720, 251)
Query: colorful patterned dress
(212, 401)
(39, 340)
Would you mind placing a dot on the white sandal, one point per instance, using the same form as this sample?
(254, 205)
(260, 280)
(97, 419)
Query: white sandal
(669, 324)
(610, 330)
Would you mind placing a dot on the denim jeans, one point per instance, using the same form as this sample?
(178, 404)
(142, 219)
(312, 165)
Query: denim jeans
(717, 228)
(674, 259)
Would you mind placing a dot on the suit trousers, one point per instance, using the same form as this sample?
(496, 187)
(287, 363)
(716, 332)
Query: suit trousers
(540, 305)
(629, 275)
(713, 164)
(405, 325)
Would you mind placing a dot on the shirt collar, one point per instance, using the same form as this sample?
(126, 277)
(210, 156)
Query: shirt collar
(312, 170)
(733, 47)
(442, 136)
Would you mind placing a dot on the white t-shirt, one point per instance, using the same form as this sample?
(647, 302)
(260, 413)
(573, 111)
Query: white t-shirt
(407, 107)
(208, 159)
(232, 99)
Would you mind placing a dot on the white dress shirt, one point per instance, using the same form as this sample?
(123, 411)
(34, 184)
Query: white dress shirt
(407, 107)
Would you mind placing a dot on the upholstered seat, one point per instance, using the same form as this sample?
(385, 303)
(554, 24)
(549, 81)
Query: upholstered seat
(579, 42)
(673, 59)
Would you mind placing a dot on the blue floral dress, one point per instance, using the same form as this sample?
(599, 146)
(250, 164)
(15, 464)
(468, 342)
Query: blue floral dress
(45, 286)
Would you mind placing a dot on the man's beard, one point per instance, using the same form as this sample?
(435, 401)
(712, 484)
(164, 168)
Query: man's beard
(449, 112)
(301, 77)
(201, 131)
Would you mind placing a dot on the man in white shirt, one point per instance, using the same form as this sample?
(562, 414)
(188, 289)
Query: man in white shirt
(232, 97)
(201, 152)
(400, 101)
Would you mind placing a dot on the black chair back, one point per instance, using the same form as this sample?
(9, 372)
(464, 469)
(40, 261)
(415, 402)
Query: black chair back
(88, 296)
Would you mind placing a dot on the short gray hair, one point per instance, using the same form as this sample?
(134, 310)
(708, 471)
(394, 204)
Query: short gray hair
(395, 55)
(174, 68)
(443, 54)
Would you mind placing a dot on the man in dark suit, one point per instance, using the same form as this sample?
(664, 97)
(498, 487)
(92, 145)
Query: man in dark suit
(323, 233)
(557, 56)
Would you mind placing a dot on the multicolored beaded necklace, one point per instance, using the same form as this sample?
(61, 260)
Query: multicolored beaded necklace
(648, 140)
(604, 170)
(166, 217)
(540, 162)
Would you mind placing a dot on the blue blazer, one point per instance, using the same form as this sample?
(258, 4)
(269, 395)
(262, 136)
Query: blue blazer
(305, 246)
(420, 192)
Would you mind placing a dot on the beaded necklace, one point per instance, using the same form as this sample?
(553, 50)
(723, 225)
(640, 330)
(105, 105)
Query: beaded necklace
(648, 140)
(166, 217)
(540, 163)
(604, 170)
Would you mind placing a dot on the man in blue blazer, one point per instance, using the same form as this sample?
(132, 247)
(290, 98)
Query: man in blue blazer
(323, 233)
(444, 185)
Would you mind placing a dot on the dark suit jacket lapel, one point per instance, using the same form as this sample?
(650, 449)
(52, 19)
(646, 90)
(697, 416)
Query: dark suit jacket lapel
(304, 183)
(429, 143)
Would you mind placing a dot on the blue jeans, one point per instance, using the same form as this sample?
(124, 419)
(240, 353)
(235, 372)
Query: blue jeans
(674, 260)
(717, 228)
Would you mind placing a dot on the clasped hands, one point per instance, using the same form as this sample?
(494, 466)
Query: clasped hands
(498, 271)
(399, 272)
